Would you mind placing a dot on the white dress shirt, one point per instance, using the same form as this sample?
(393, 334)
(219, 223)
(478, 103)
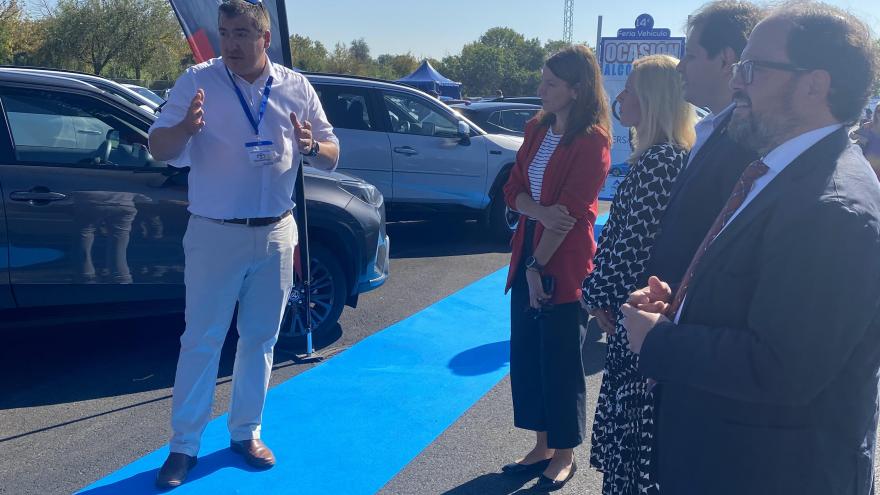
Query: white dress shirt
(223, 183)
(704, 128)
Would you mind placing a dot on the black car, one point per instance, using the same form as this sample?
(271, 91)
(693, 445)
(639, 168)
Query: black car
(91, 227)
(531, 100)
(498, 117)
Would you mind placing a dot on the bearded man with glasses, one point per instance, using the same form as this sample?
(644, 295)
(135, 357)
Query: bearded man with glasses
(240, 122)
(767, 352)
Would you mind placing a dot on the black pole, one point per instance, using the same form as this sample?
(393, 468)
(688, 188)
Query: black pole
(302, 217)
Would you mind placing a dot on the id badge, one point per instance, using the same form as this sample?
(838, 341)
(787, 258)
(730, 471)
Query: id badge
(261, 153)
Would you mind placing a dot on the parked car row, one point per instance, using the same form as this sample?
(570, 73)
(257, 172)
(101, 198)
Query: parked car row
(424, 157)
(91, 226)
(90, 218)
(499, 117)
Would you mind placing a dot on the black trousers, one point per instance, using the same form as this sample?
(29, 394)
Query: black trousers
(546, 368)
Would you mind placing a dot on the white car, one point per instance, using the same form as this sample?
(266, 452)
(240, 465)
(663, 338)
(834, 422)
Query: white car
(425, 158)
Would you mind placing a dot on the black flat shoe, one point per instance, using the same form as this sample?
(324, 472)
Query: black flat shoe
(517, 468)
(545, 484)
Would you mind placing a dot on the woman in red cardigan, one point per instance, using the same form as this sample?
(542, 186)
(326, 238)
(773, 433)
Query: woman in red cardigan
(555, 185)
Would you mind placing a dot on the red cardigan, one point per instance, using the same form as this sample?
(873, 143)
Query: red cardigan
(573, 177)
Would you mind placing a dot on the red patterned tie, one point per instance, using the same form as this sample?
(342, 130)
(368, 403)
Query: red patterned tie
(755, 170)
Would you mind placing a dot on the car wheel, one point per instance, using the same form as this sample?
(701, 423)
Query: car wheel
(328, 298)
(502, 220)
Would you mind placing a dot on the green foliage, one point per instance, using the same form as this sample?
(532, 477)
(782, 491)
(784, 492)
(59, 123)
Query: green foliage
(137, 39)
(142, 40)
(500, 59)
(307, 54)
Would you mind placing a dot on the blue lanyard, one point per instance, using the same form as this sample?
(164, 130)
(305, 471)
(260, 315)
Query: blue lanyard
(255, 123)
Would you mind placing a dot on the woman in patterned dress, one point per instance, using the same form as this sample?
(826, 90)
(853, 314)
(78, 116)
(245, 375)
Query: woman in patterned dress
(652, 104)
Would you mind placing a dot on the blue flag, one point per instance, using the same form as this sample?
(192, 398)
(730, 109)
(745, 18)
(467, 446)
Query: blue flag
(198, 18)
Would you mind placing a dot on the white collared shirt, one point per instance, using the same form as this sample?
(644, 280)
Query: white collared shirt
(704, 129)
(776, 161)
(223, 183)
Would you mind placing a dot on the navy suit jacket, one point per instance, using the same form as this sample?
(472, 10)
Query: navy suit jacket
(768, 383)
(699, 193)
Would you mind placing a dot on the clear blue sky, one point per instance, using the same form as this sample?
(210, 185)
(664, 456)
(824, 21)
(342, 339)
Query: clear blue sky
(440, 28)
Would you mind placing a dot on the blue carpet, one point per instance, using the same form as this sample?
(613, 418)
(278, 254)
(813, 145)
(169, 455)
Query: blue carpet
(350, 424)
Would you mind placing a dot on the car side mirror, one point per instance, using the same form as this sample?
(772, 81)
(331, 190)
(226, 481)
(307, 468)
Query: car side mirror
(464, 132)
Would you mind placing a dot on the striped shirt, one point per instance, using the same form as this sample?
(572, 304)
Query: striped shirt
(539, 163)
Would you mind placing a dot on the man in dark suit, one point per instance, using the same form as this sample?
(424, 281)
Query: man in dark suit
(768, 354)
(717, 34)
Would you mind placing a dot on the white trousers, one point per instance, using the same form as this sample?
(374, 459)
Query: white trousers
(226, 263)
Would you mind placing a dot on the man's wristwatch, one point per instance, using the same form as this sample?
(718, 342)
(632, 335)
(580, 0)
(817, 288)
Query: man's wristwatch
(532, 264)
(316, 147)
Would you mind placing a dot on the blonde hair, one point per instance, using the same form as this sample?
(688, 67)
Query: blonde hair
(666, 116)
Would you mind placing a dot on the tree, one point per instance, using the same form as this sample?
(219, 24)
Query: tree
(11, 19)
(360, 60)
(395, 66)
(553, 46)
(340, 61)
(876, 91)
(154, 43)
(93, 33)
(500, 59)
(307, 54)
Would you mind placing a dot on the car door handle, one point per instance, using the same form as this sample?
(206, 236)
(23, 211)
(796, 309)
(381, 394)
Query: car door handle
(406, 150)
(36, 195)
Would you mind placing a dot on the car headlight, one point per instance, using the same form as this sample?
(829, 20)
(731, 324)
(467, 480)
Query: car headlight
(363, 191)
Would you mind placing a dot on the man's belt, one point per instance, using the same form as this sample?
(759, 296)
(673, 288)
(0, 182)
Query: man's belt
(253, 222)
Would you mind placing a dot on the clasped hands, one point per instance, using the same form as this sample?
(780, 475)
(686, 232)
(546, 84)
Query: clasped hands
(644, 309)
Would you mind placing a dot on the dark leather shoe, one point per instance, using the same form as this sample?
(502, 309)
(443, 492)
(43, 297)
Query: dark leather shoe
(545, 484)
(255, 453)
(517, 468)
(174, 470)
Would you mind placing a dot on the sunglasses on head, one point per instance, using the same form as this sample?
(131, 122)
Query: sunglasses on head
(255, 2)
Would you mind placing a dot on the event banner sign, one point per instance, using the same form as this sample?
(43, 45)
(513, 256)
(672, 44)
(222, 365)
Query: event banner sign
(199, 21)
(616, 56)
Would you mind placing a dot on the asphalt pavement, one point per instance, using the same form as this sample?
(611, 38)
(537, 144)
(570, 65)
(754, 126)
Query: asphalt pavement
(82, 401)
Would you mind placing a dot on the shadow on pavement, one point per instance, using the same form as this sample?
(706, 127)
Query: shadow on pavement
(434, 238)
(495, 484)
(481, 360)
(144, 483)
(108, 359)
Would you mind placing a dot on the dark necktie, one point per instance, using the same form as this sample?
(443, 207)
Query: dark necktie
(755, 170)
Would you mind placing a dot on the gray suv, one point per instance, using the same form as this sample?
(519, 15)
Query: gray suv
(91, 227)
(425, 158)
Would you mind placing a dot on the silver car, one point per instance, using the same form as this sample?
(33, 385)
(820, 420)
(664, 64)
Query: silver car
(425, 158)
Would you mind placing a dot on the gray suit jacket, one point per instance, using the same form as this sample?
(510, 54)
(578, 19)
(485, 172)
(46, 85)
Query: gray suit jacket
(768, 384)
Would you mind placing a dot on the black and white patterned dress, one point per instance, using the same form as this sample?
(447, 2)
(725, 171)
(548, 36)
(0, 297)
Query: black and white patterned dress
(621, 441)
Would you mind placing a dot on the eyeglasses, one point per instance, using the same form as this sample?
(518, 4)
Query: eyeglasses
(746, 68)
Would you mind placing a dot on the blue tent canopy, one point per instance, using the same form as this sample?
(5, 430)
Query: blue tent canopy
(427, 78)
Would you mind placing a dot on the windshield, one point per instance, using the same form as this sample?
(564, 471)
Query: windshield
(146, 93)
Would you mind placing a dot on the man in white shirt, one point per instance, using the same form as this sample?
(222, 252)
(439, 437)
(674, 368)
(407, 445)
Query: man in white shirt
(768, 354)
(240, 123)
